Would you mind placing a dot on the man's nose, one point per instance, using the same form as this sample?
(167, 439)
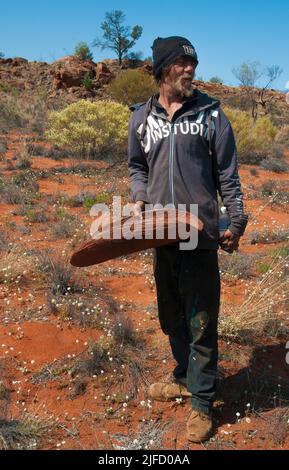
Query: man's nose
(189, 67)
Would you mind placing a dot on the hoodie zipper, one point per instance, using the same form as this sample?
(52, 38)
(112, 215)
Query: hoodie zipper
(171, 163)
(171, 151)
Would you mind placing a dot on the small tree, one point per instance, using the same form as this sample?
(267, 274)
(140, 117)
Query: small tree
(1, 55)
(216, 80)
(116, 36)
(272, 73)
(82, 51)
(248, 73)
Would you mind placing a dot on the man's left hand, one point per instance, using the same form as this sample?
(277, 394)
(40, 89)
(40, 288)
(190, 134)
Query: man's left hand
(229, 241)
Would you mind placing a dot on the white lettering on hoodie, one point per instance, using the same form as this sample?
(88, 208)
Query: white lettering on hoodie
(157, 129)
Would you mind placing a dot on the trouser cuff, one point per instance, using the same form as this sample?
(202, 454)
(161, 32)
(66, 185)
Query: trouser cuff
(196, 405)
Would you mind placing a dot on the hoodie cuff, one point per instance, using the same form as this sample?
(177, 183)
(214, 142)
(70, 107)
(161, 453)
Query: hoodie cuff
(238, 227)
(141, 196)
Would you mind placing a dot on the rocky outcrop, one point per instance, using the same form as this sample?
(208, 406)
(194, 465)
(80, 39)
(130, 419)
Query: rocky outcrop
(69, 72)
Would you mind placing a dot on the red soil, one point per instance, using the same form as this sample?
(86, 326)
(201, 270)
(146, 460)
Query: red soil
(27, 345)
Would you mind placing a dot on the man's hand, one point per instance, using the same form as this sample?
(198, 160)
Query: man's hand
(229, 241)
(138, 208)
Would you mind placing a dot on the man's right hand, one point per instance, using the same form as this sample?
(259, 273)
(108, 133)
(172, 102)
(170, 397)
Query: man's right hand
(229, 242)
(138, 208)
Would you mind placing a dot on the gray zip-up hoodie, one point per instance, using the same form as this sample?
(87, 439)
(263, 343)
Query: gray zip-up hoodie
(182, 162)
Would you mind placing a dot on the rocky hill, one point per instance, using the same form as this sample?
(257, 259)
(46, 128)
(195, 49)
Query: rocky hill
(65, 79)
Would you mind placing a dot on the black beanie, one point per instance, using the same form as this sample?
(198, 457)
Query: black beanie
(167, 50)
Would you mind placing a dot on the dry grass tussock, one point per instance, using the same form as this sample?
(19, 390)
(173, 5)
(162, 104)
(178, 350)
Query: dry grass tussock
(16, 265)
(25, 433)
(263, 312)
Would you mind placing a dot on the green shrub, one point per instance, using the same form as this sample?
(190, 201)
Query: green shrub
(254, 138)
(254, 172)
(82, 51)
(87, 80)
(10, 194)
(268, 236)
(89, 201)
(3, 146)
(36, 216)
(269, 188)
(64, 224)
(23, 163)
(216, 80)
(26, 180)
(38, 150)
(90, 128)
(132, 86)
(3, 241)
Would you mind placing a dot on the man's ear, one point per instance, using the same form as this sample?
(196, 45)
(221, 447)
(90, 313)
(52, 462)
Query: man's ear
(164, 73)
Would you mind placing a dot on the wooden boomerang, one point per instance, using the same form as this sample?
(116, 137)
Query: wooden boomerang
(144, 229)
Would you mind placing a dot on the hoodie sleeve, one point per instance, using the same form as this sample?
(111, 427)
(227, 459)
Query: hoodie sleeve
(226, 173)
(137, 164)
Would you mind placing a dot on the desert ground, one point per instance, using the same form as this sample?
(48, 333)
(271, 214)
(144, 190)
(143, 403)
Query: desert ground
(79, 346)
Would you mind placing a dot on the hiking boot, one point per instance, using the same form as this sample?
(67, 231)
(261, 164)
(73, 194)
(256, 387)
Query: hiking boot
(170, 378)
(199, 426)
(161, 391)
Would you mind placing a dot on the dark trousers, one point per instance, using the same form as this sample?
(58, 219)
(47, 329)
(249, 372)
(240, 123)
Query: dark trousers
(188, 294)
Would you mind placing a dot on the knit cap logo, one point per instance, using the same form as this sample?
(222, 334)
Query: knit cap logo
(189, 50)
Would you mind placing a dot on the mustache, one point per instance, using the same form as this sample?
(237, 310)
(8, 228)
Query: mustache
(188, 77)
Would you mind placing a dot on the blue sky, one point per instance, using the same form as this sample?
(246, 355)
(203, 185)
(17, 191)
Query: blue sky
(224, 33)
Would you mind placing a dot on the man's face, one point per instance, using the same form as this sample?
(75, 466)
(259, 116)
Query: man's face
(179, 76)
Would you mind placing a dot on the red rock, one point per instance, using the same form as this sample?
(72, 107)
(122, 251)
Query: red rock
(69, 72)
(102, 73)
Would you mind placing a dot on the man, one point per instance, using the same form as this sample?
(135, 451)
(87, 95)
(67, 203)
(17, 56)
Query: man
(182, 151)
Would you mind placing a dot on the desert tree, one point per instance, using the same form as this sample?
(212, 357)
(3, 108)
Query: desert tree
(248, 74)
(216, 80)
(272, 73)
(116, 35)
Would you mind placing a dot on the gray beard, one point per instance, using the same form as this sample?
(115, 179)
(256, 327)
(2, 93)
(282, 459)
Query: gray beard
(188, 93)
(185, 92)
